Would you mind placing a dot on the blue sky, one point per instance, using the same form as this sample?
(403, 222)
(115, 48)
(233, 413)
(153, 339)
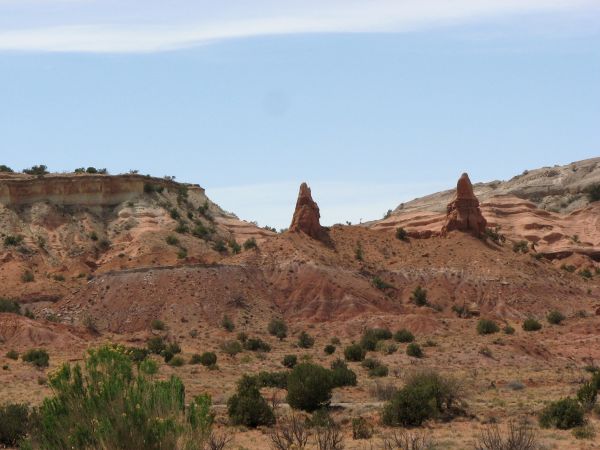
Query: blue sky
(372, 103)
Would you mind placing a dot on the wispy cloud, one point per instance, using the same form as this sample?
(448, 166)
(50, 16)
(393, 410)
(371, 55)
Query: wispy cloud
(89, 29)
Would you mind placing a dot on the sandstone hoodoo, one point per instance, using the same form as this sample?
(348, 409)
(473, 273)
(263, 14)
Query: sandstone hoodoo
(306, 216)
(463, 213)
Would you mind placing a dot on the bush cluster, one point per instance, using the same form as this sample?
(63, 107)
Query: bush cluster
(354, 352)
(278, 328)
(486, 326)
(248, 407)
(309, 387)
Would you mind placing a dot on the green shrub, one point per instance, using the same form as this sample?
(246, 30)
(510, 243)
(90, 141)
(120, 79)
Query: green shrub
(250, 244)
(593, 192)
(555, 317)
(485, 326)
(36, 170)
(584, 432)
(290, 361)
(235, 247)
(562, 414)
(585, 273)
(9, 306)
(341, 374)
(157, 325)
(419, 296)
(309, 387)
(27, 276)
(256, 345)
(372, 336)
(14, 424)
(200, 231)
(426, 395)
(414, 350)
(208, 359)
(361, 429)
(329, 349)
(219, 246)
(231, 348)
(404, 336)
(176, 361)
(227, 323)
(587, 395)
(354, 352)
(107, 404)
(12, 354)
(531, 325)
(37, 357)
(277, 327)
(136, 354)
(13, 241)
(520, 247)
(5, 169)
(401, 234)
(172, 240)
(379, 371)
(380, 284)
(273, 379)
(248, 407)
(305, 340)
(156, 345)
(508, 330)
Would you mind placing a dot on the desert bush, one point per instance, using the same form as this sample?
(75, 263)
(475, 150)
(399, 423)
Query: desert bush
(361, 429)
(13, 241)
(231, 348)
(4, 168)
(521, 247)
(519, 436)
(208, 359)
(136, 354)
(289, 361)
(157, 325)
(381, 284)
(27, 276)
(587, 395)
(414, 350)
(37, 357)
(272, 379)
(419, 296)
(248, 407)
(404, 336)
(172, 240)
(329, 437)
(406, 440)
(156, 345)
(256, 345)
(486, 326)
(176, 361)
(250, 244)
(426, 395)
(107, 404)
(309, 387)
(12, 354)
(9, 306)
(593, 192)
(508, 330)
(584, 432)
(291, 433)
(358, 252)
(341, 374)
(354, 352)
(227, 323)
(14, 424)
(562, 414)
(305, 340)
(381, 370)
(278, 328)
(219, 246)
(531, 325)
(555, 317)
(39, 170)
(329, 349)
(401, 234)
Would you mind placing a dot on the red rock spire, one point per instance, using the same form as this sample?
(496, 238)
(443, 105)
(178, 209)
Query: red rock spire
(463, 213)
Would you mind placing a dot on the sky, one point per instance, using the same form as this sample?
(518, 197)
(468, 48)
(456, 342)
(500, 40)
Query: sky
(372, 103)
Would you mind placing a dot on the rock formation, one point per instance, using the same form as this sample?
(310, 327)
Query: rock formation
(463, 213)
(306, 216)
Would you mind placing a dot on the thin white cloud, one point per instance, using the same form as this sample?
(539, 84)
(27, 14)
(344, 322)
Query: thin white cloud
(267, 18)
(273, 203)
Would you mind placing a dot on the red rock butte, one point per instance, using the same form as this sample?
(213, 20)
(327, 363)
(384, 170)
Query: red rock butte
(463, 213)
(306, 216)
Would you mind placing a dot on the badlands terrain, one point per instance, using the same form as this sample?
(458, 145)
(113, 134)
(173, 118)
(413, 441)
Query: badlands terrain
(93, 258)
